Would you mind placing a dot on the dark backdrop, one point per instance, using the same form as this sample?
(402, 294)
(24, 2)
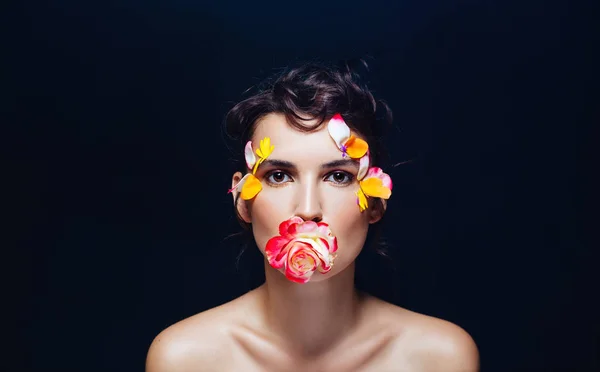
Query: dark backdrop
(121, 171)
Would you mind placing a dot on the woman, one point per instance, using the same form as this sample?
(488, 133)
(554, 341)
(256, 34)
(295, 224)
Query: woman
(310, 191)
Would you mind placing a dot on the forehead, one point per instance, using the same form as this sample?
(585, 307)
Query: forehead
(293, 144)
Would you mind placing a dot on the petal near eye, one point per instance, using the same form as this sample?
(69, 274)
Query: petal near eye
(251, 187)
(363, 166)
(361, 200)
(376, 172)
(374, 187)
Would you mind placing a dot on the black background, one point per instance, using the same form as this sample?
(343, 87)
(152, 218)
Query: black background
(121, 170)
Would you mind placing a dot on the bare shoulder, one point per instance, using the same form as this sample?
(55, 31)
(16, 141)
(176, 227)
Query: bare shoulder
(430, 344)
(197, 343)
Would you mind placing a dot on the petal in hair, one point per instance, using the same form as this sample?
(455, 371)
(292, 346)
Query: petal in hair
(355, 147)
(338, 130)
(263, 151)
(249, 155)
(378, 173)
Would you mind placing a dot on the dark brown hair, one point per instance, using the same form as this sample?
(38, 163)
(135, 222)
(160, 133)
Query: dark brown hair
(313, 91)
(309, 91)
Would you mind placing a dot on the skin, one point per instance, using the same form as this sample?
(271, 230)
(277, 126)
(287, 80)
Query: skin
(325, 324)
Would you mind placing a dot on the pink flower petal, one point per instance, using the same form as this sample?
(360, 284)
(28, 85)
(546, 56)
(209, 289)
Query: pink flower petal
(285, 225)
(306, 228)
(240, 183)
(294, 270)
(333, 246)
(274, 249)
(323, 229)
(338, 130)
(376, 172)
(320, 249)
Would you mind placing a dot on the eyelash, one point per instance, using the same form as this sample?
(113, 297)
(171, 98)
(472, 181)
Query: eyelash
(349, 178)
(272, 183)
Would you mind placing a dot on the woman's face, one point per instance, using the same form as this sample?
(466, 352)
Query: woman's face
(306, 176)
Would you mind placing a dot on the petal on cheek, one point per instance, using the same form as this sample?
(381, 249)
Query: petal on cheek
(251, 188)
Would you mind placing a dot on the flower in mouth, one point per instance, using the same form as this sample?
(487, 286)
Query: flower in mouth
(302, 248)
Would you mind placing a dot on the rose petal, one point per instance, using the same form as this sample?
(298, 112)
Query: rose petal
(295, 272)
(306, 228)
(285, 225)
(319, 248)
(299, 279)
(249, 155)
(323, 229)
(273, 249)
(333, 246)
(302, 260)
(338, 130)
(251, 187)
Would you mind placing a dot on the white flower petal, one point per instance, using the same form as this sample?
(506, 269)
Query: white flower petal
(241, 183)
(249, 155)
(338, 130)
(363, 166)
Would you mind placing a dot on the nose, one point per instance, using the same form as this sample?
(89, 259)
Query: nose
(309, 204)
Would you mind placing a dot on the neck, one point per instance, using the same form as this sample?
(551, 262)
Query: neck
(310, 318)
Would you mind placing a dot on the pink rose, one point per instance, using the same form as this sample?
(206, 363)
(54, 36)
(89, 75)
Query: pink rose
(301, 248)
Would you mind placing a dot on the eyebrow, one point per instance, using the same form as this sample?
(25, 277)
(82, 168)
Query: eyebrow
(332, 164)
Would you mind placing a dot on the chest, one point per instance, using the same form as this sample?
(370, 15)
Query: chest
(376, 354)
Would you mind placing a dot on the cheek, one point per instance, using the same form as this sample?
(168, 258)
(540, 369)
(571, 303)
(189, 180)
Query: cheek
(268, 210)
(347, 223)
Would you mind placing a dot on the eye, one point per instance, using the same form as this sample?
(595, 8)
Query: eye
(278, 177)
(340, 178)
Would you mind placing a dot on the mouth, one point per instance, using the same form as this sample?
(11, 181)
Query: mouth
(302, 248)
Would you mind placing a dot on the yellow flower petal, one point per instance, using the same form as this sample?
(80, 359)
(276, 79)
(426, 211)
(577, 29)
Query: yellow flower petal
(356, 148)
(374, 187)
(260, 160)
(251, 188)
(265, 149)
(362, 200)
